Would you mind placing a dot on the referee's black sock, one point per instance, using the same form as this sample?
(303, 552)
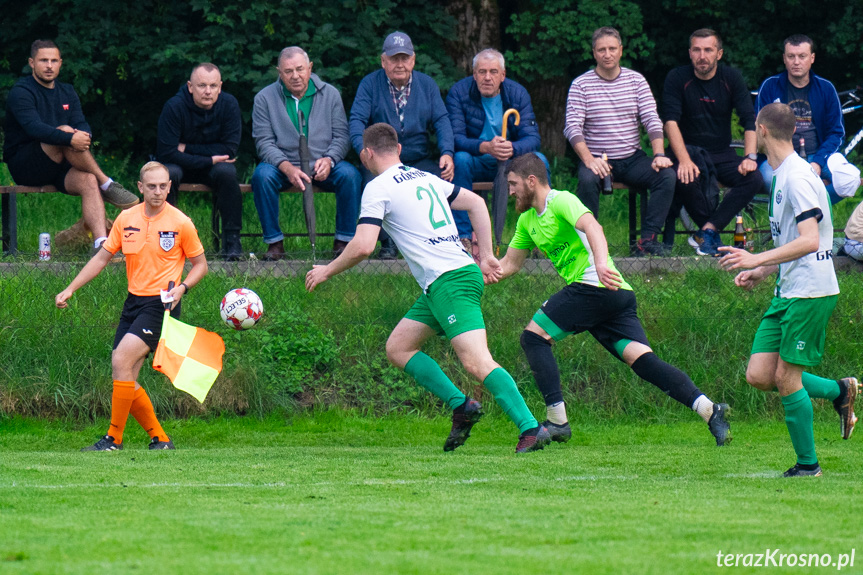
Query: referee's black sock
(666, 377)
(543, 365)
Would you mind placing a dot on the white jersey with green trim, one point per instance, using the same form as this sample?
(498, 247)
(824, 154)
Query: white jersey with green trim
(797, 194)
(413, 208)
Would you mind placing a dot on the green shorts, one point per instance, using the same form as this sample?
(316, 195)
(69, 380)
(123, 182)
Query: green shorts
(796, 328)
(451, 304)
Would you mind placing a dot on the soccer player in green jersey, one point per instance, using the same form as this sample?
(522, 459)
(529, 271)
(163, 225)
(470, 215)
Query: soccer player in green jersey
(597, 299)
(413, 207)
(791, 335)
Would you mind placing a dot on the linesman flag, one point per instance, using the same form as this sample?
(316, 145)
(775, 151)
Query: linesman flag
(191, 357)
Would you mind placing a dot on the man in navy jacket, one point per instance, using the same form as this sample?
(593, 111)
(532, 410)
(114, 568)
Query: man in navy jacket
(199, 133)
(410, 102)
(476, 105)
(815, 104)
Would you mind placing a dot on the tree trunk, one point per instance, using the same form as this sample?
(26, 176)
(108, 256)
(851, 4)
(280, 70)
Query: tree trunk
(478, 28)
(549, 104)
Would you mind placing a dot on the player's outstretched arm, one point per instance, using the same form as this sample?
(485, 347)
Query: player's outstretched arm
(599, 246)
(358, 249)
(510, 264)
(96, 264)
(478, 214)
(802, 245)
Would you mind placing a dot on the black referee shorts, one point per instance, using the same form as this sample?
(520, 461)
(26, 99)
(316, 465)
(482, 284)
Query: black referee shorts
(609, 316)
(142, 316)
(30, 166)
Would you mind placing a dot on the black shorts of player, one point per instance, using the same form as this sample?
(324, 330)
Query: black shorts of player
(30, 166)
(609, 316)
(142, 316)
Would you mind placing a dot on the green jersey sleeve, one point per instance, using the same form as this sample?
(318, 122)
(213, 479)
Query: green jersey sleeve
(521, 240)
(568, 207)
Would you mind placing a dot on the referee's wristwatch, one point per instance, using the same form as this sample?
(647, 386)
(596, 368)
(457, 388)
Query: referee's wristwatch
(753, 157)
(185, 287)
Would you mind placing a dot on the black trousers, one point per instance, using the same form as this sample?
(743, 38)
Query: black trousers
(222, 177)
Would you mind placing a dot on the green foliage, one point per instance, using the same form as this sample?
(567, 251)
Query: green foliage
(286, 353)
(552, 39)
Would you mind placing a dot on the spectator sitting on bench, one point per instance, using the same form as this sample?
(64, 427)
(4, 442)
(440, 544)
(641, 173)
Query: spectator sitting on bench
(199, 133)
(476, 105)
(410, 102)
(603, 111)
(275, 127)
(48, 141)
(815, 104)
(696, 106)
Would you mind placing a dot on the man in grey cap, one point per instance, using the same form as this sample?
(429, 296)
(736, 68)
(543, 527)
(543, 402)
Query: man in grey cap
(411, 103)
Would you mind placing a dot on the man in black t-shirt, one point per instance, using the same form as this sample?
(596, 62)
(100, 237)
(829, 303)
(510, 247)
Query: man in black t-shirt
(48, 141)
(696, 108)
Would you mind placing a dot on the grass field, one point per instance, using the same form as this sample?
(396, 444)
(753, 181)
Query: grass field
(338, 493)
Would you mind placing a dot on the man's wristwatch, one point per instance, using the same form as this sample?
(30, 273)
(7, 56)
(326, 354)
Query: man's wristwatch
(332, 162)
(753, 157)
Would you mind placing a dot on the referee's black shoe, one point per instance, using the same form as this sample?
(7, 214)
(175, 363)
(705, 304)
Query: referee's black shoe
(559, 433)
(104, 444)
(155, 443)
(718, 424)
(463, 418)
(844, 405)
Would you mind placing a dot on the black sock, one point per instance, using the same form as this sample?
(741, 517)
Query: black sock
(666, 377)
(543, 365)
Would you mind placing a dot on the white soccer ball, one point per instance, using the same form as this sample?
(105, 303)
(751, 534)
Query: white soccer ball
(241, 308)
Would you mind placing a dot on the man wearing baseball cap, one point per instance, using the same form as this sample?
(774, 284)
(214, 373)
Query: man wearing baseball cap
(411, 103)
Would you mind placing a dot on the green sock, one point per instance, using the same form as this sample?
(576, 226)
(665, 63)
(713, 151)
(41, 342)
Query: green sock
(429, 375)
(820, 386)
(501, 384)
(798, 418)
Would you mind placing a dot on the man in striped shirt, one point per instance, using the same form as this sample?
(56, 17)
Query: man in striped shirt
(603, 111)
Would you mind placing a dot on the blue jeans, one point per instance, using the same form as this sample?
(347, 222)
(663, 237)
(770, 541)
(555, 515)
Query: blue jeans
(344, 180)
(767, 174)
(470, 169)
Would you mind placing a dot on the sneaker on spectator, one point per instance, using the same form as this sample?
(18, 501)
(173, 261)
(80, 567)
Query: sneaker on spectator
(388, 250)
(706, 242)
(650, 247)
(119, 196)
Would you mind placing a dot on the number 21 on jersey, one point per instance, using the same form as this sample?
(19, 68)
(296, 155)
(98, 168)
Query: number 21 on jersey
(434, 198)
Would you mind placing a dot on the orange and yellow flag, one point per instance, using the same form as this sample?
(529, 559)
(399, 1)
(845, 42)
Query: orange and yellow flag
(191, 357)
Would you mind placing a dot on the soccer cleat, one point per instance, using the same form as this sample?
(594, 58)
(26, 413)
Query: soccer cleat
(844, 405)
(463, 419)
(156, 444)
(559, 433)
(533, 440)
(104, 444)
(119, 196)
(797, 471)
(706, 243)
(718, 424)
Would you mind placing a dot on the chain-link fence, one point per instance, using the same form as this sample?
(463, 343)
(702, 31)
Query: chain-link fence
(327, 348)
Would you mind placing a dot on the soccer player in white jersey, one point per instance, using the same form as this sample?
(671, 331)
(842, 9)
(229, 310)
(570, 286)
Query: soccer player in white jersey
(414, 208)
(791, 335)
(596, 299)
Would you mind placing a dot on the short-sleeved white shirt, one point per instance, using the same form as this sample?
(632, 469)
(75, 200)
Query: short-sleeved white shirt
(413, 208)
(797, 193)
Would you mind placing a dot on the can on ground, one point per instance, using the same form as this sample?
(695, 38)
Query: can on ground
(44, 247)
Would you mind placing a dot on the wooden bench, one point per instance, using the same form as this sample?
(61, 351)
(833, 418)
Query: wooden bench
(9, 206)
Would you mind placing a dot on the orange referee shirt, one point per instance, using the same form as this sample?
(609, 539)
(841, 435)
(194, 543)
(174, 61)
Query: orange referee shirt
(155, 248)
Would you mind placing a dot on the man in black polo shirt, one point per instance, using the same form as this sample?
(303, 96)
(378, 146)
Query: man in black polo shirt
(48, 141)
(696, 107)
